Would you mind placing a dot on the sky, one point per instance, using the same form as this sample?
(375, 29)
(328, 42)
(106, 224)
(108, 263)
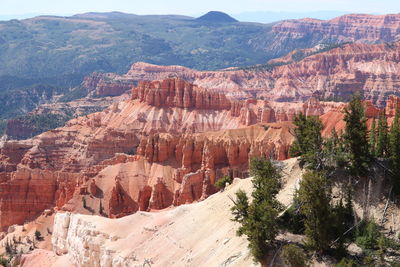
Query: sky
(18, 8)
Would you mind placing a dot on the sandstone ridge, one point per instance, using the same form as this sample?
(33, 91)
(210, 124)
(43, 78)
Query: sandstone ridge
(335, 74)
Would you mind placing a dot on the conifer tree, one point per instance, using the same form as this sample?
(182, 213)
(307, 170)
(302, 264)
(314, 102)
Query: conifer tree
(315, 197)
(382, 137)
(372, 138)
(308, 144)
(240, 210)
(259, 219)
(356, 137)
(333, 151)
(394, 147)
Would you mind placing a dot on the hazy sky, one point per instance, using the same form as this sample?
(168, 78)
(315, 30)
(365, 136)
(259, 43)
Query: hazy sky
(190, 7)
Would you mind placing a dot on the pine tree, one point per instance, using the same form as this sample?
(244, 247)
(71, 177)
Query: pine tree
(382, 137)
(308, 144)
(394, 147)
(333, 151)
(356, 137)
(259, 219)
(372, 138)
(240, 210)
(315, 197)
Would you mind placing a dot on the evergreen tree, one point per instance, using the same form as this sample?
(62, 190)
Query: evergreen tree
(259, 219)
(382, 137)
(356, 137)
(342, 216)
(240, 210)
(294, 256)
(394, 147)
(333, 151)
(308, 144)
(315, 197)
(372, 138)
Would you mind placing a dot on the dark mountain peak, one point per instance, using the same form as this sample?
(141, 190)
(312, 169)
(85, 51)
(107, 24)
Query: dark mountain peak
(216, 17)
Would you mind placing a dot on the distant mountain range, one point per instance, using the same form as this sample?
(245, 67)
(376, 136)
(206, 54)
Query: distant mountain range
(269, 16)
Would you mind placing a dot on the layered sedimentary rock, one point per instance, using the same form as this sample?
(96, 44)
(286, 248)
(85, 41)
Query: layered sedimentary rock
(348, 28)
(334, 74)
(182, 142)
(371, 69)
(178, 93)
(107, 84)
(80, 159)
(47, 116)
(143, 238)
(183, 138)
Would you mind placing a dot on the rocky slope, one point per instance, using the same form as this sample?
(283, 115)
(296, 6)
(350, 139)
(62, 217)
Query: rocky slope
(334, 74)
(190, 235)
(181, 138)
(360, 28)
(199, 234)
(184, 138)
(323, 72)
(145, 237)
(50, 116)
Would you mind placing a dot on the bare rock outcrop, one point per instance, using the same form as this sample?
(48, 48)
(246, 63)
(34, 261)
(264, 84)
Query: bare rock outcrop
(360, 28)
(334, 74)
(179, 93)
(184, 138)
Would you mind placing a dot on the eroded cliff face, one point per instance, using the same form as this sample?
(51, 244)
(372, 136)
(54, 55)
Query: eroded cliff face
(181, 138)
(107, 84)
(145, 237)
(372, 69)
(360, 28)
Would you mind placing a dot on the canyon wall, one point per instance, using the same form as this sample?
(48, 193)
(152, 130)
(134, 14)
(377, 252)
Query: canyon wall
(361, 28)
(335, 74)
(184, 138)
(165, 146)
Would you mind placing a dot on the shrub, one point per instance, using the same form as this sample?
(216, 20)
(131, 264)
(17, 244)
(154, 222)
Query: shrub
(84, 202)
(3, 261)
(368, 235)
(221, 183)
(294, 256)
(346, 263)
(38, 235)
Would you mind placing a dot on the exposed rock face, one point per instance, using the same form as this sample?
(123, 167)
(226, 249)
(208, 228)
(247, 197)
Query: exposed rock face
(184, 138)
(235, 84)
(29, 192)
(98, 241)
(347, 28)
(335, 74)
(46, 116)
(179, 93)
(107, 84)
(371, 69)
(183, 142)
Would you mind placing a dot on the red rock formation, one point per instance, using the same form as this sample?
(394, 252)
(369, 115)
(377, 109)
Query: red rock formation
(107, 84)
(347, 28)
(29, 192)
(184, 136)
(334, 74)
(179, 93)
